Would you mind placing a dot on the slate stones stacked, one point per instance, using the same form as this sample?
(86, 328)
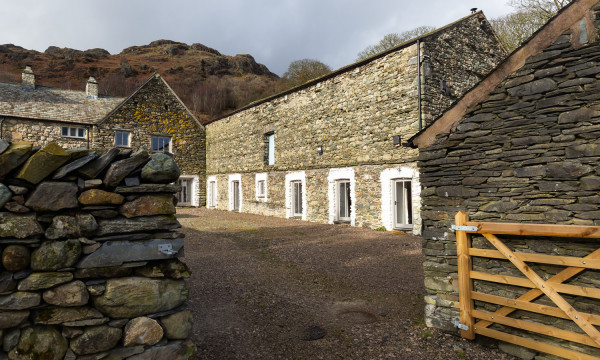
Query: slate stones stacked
(89, 255)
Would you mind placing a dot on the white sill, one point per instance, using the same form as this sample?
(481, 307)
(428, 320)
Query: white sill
(74, 137)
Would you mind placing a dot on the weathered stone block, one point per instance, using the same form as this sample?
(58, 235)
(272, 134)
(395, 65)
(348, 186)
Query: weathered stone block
(134, 296)
(148, 188)
(148, 205)
(53, 196)
(120, 169)
(147, 223)
(100, 197)
(71, 294)
(94, 168)
(43, 163)
(71, 226)
(45, 280)
(530, 171)
(176, 350)
(19, 226)
(39, 342)
(160, 169)
(19, 301)
(15, 258)
(15, 155)
(54, 315)
(178, 326)
(142, 331)
(96, 339)
(55, 255)
(10, 319)
(534, 87)
(581, 150)
(113, 253)
(569, 169)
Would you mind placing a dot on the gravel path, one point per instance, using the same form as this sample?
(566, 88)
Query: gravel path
(270, 288)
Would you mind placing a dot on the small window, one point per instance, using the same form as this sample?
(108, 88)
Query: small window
(270, 149)
(212, 193)
(161, 144)
(260, 188)
(74, 132)
(122, 138)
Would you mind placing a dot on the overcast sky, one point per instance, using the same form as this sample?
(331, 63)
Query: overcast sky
(275, 32)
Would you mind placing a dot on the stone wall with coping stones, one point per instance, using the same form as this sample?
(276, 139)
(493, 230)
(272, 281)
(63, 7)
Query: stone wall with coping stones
(529, 153)
(368, 195)
(82, 276)
(154, 110)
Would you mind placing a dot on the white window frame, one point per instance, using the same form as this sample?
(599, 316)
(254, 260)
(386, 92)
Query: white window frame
(159, 137)
(407, 223)
(212, 193)
(233, 178)
(348, 201)
(70, 128)
(333, 179)
(387, 178)
(261, 177)
(117, 132)
(290, 178)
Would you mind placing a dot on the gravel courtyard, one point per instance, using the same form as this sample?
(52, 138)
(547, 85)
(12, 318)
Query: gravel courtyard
(270, 288)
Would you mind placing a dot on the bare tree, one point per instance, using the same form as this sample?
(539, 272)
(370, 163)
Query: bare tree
(391, 40)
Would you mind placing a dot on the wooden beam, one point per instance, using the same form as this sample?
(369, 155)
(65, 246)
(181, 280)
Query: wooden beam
(535, 345)
(575, 231)
(540, 258)
(465, 284)
(536, 328)
(515, 304)
(546, 287)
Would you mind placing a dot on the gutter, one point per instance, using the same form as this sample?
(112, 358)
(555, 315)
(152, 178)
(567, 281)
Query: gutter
(419, 83)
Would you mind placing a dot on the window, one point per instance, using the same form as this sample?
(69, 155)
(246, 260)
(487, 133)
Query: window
(235, 189)
(122, 138)
(161, 144)
(270, 148)
(74, 132)
(403, 204)
(344, 203)
(260, 181)
(296, 198)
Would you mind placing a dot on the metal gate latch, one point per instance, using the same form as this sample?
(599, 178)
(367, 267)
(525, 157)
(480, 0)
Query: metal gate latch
(166, 249)
(463, 228)
(457, 324)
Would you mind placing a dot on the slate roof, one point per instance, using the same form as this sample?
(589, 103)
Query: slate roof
(45, 103)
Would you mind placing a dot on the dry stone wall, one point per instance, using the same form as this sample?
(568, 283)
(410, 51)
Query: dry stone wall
(89, 246)
(529, 153)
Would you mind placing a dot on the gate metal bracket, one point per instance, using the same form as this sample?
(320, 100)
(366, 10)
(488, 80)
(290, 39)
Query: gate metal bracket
(166, 249)
(457, 324)
(464, 228)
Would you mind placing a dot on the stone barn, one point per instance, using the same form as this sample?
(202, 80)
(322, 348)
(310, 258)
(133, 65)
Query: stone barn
(523, 146)
(333, 149)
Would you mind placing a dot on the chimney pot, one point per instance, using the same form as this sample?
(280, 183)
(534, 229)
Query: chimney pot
(91, 88)
(28, 79)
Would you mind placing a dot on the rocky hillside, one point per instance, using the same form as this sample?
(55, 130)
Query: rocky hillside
(209, 82)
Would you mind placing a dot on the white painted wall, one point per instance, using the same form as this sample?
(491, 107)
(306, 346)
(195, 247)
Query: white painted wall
(295, 176)
(332, 178)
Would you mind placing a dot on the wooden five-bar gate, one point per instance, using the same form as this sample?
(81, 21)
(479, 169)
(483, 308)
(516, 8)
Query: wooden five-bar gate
(552, 287)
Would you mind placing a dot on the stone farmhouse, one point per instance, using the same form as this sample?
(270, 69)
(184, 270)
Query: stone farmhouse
(152, 117)
(334, 150)
(522, 146)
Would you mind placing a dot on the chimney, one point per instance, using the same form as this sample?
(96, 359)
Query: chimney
(91, 88)
(28, 78)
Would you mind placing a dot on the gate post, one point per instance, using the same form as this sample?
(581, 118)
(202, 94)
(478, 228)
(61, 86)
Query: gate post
(465, 284)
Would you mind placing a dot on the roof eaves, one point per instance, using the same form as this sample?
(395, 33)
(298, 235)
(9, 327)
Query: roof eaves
(347, 68)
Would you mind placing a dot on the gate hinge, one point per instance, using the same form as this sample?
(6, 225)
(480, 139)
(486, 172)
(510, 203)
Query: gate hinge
(464, 228)
(457, 324)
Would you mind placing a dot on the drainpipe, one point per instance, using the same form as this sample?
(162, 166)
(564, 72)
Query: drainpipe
(2, 127)
(419, 83)
(88, 137)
